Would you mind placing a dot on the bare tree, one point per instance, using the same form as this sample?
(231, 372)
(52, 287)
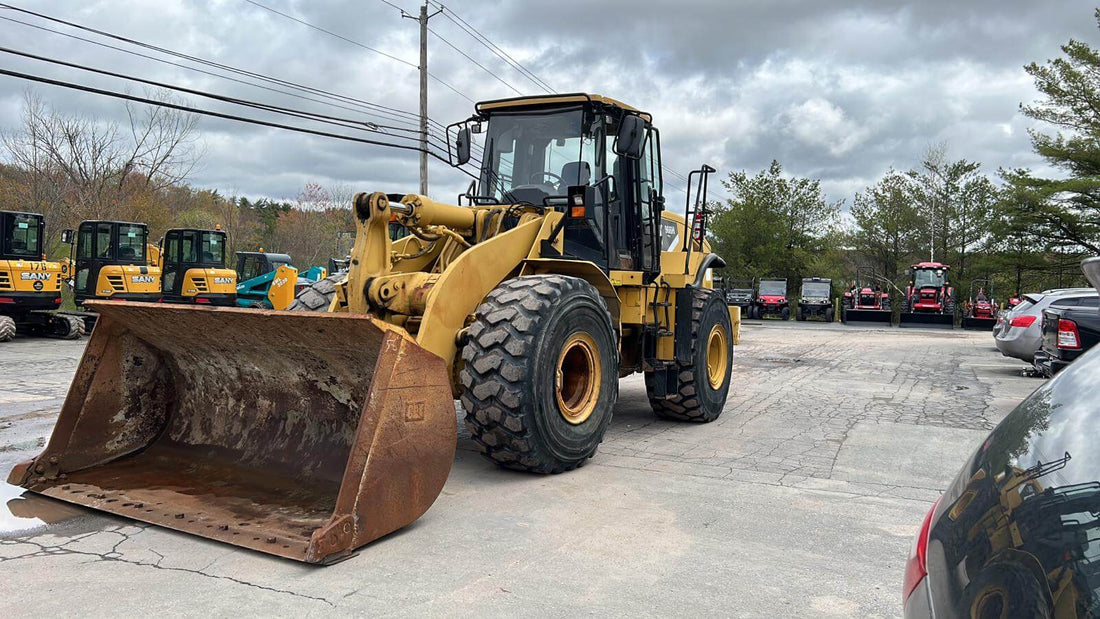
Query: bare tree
(81, 167)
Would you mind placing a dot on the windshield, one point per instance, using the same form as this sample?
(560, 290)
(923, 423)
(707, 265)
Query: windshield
(532, 156)
(21, 236)
(213, 248)
(131, 243)
(773, 288)
(815, 289)
(929, 278)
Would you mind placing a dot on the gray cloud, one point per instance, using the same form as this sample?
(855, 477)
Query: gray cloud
(840, 91)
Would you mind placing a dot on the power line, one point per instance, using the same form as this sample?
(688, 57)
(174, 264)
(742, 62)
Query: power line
(479, 65)
(332, 120)
(358, 44)
(374, 107)
(492, 47)
(194, 110)
(367, 108)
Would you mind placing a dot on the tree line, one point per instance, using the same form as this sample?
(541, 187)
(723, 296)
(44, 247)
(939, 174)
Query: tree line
(1023, 231)
(73, 168)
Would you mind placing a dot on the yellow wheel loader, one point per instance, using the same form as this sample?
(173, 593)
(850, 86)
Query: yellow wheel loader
(307, 434)
(30, 285)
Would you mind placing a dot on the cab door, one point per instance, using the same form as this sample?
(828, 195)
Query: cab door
(94, 249)
(171, 275)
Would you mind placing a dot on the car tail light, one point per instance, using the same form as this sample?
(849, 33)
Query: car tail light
(1068, 336)
(916, 568)
(1022, 321)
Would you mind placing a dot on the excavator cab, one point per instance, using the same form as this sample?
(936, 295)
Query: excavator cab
(111, 260)
(193, 268)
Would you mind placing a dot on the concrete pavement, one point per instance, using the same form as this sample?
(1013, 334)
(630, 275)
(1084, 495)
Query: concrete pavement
(802, 499)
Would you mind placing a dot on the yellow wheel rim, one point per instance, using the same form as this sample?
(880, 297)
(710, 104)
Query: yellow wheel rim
(718, 356)
(578, 376)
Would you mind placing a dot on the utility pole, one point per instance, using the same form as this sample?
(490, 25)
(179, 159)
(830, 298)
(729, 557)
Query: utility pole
(423, 20)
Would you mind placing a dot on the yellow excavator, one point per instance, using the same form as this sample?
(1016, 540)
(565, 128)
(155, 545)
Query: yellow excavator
(112, 260)
(192, 264)
(30, 285)
(306, 434)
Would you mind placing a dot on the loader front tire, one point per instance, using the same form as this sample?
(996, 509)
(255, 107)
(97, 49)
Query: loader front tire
(705, 382)
(7, 329)
(540, 373)
(317, 296)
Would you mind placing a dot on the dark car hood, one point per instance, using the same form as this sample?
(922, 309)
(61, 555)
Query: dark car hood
(1029, 497)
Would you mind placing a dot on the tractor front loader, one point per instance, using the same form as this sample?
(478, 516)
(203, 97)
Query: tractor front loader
(308, 434)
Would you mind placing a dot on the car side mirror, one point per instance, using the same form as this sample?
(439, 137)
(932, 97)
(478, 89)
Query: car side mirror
(630, 139)
(462, 146)
(67, 237)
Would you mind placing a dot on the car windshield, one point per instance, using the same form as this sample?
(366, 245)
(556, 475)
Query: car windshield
(773, 287)
(21, 236)
(539, 154)
(815, 289)
(131, 243)
(929, 278)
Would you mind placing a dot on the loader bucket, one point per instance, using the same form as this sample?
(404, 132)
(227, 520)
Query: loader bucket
(297, 434)
(978, 324)
(927, 320)
(865, 316)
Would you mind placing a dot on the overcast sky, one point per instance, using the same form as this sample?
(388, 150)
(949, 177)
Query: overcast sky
(839, 91)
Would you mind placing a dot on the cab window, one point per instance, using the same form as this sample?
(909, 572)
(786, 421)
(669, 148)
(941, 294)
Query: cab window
(103, 241)
(213, 248)
(84, 243)
(131, 243)
(23, 236)
(189, 246)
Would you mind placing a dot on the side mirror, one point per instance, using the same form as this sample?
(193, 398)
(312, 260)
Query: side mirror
(462, 146)
(67, 237)
(631, 137)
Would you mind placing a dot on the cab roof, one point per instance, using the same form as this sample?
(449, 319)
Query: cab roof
(931, 265)
(555, 100)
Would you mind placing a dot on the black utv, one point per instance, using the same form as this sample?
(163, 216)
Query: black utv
(816, 300)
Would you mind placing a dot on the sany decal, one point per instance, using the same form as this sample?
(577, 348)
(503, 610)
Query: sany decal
(223, 280)
(142, 279)
(45, 277)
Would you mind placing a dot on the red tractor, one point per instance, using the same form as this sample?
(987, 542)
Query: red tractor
(929, 297)
(981, 307)
(866, 301)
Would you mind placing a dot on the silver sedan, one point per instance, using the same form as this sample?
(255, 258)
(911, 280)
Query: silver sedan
(1021, 333)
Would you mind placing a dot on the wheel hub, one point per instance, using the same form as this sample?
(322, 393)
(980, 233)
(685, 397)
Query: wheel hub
(578, 377)
(717, 356)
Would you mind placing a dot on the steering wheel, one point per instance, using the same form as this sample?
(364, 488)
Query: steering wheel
(538, 176)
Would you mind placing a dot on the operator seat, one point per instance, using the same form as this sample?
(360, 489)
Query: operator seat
(575, 173)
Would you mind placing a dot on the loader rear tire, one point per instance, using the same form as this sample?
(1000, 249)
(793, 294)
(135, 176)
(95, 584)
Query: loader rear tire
(698, 398)
(540, 373)
(317, 296)
(7, 329)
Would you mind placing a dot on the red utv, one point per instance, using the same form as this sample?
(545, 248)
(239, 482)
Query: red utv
(771, 300)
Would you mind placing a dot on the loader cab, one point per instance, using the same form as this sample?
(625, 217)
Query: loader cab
(111, 260)
(594, 159)
(193, 265)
